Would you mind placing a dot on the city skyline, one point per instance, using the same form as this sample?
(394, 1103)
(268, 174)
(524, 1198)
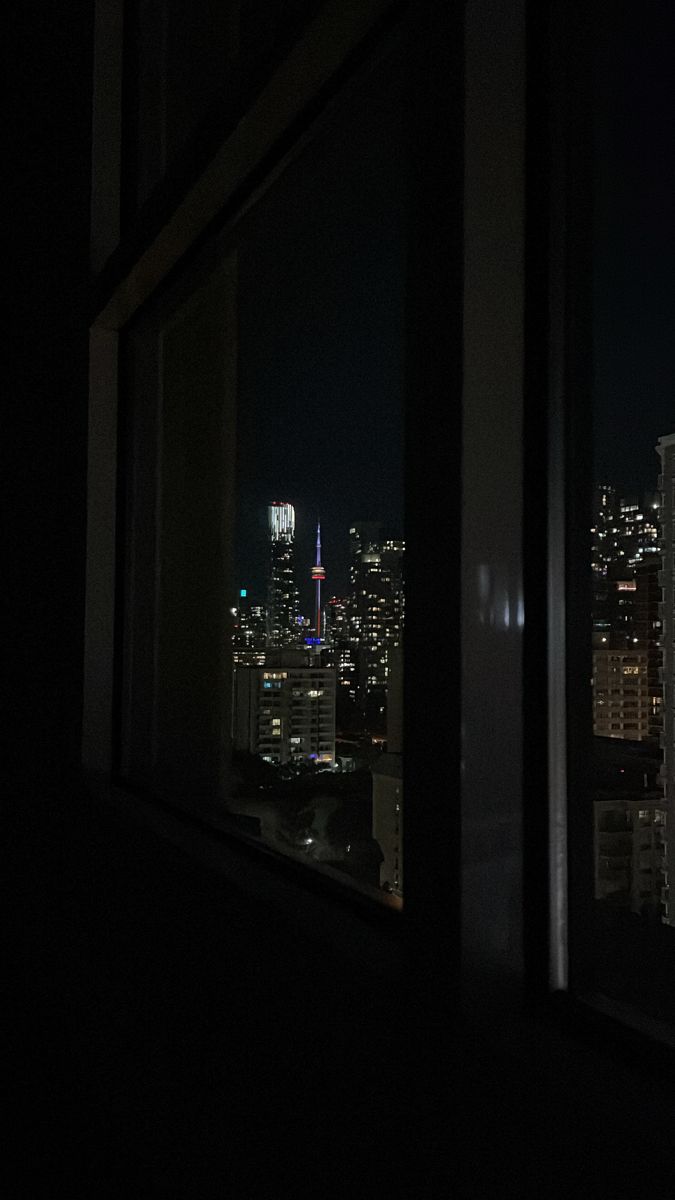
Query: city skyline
(321, 339)
(253, 554)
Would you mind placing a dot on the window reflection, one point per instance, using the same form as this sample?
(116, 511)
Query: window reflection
(632, 528)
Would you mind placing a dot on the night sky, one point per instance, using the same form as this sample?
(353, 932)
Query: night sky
(321, 334)
(635, 243)
(321, 273)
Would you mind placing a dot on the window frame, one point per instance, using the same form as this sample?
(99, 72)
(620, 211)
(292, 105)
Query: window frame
(560, 356)
(321, 67)
(551, 180)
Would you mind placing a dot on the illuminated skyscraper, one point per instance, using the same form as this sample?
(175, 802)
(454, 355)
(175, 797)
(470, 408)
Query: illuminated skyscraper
(249, 635)
(282, 592)
(647, 626)
(340, 651)
(377, 614)
(666, 450)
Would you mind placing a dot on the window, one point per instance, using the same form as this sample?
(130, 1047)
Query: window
(622, 941)
(265, 365)
(189, 71)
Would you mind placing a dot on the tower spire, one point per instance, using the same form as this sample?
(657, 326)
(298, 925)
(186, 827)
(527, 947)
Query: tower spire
(318, 574)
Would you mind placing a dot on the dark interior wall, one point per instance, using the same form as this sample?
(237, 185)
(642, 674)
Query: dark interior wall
(46, 190)
(48, 49)
(165, 1032)
(161, 1031)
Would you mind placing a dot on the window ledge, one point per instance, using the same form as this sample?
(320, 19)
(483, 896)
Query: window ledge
(364, 931)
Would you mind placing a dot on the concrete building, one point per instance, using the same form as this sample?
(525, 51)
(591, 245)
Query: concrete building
(666, 451)
(285, 711)
(647, 629)
(624, 535)
(629, 825)
(377, 618)
(340, 650)
(249, 637)
(630, 851)
(388, 784)
(621, 698)
(638, 530)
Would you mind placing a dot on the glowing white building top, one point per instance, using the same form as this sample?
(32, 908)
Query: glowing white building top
(281, 519)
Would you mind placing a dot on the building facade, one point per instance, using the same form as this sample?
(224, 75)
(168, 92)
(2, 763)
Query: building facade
(647, 628)
(285, 711)
(629, 851)
(666, 451)
(377, 617)
(249, 636)
(282, 592)
(340, 646)
(621, 704)
(388, 785)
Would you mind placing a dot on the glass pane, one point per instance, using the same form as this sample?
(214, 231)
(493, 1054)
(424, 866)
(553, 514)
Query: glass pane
(178, 455)
(318, 614)
(262, 649)
(177, 60)
(188, 69)
(632, 533)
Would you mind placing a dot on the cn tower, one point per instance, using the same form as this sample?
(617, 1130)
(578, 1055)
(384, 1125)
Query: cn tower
(318, 573)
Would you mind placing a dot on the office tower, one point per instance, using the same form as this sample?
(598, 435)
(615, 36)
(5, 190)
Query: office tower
(638, 530)
(249, 635)
(377, 619)
(285, 711)
(628, 826)
(282, 593)
(624, 534)
(603, 530)
(363, 538)
(666, 451)
(647, 629)
(340, 651)
(625, 655)
(388, 784)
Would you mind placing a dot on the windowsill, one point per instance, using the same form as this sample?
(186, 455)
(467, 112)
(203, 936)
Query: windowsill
(368, 932)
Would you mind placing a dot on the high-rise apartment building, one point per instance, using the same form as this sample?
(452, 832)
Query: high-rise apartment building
(282, 594)
(624, 546)
(629, 822)
(377, 612)
(604, 530)
(629, 851)
(623, 534)
(249, 637)
(638, 530)
(666, 451)
(621, 706)
(285, 711)
(647, 630)
(340, 648)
